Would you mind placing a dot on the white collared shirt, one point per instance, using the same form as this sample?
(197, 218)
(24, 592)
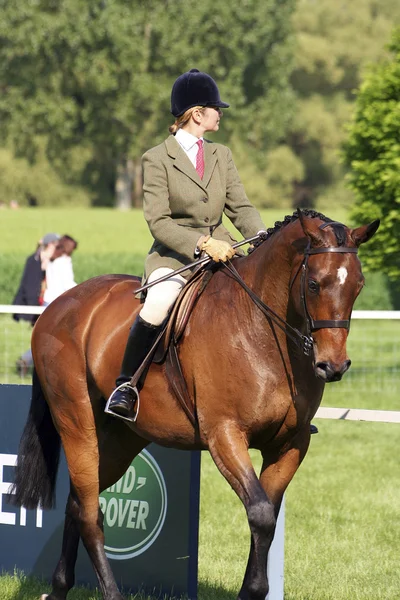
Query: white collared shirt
(59, 278)
(188, 143)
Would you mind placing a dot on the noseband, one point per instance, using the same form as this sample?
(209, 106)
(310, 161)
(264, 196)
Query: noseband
(305, 342)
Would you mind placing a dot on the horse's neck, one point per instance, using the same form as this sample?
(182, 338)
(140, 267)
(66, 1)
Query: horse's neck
(267, 269)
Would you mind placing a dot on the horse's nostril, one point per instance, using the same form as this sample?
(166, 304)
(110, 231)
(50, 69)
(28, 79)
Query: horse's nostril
(345, 367)
(326, 371)
(324, 366)
(323, 370)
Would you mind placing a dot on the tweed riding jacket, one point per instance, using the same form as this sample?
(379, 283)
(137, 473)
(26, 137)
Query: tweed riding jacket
(179, 207)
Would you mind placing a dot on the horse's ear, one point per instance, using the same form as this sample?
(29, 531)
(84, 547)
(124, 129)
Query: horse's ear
(314, 235)
(364, 233)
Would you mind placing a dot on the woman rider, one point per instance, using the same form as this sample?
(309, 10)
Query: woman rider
(188, 184)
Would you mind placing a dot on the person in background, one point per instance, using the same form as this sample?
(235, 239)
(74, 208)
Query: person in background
(59, 271)
(31, 288)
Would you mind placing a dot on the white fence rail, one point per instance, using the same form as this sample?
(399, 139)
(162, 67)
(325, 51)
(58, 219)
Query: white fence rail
(373, 346)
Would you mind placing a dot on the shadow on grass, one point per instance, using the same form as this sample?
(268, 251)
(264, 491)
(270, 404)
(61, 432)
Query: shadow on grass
(31, 588)
(208, 592)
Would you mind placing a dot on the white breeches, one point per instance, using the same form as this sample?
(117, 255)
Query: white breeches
(161, 296)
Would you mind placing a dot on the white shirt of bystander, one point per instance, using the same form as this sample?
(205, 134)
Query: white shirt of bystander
(59, 278)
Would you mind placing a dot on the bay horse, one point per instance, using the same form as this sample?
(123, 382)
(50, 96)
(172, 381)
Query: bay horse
(264, 337)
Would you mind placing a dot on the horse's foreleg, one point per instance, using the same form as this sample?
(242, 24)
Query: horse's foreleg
(279, 468)
(229, 450)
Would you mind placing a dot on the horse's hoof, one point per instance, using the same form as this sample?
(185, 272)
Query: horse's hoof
(44, 596)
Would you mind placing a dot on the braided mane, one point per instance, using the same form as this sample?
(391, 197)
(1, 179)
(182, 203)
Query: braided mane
(338, 229)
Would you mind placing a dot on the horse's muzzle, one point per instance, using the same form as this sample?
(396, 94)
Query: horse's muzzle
(329, 373)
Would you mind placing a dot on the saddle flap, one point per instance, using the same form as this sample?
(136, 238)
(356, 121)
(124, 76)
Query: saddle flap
(181, 312)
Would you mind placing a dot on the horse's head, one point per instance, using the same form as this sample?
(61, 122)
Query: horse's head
(326, 281)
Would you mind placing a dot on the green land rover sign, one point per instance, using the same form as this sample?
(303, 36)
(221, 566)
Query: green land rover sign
(134, 509)
(150, 516)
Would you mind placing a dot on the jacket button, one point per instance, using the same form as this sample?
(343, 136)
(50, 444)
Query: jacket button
(204, 199)
(206, 220)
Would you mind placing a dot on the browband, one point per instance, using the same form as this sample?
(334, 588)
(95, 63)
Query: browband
(331, 249)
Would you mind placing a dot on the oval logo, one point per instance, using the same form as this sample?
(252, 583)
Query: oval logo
(134, 509)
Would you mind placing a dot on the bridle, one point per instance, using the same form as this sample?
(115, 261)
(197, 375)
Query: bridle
(305, 342)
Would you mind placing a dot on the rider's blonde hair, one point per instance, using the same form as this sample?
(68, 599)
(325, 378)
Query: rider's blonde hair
(184, 119)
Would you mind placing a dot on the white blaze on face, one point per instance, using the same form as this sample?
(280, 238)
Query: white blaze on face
(342, 275)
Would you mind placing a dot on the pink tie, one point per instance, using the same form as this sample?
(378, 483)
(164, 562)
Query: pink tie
(200, 159)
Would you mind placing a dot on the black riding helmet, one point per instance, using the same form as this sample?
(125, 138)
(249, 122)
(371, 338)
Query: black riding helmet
(194, 88)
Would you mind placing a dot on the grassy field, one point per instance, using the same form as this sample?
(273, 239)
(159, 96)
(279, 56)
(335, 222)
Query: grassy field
(99, 231)
(343, 512)
(109, 241)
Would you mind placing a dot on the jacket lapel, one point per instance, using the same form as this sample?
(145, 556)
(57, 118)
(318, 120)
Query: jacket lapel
(183, 163)
(181, 160)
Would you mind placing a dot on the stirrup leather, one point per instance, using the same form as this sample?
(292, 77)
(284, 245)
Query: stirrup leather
(136, 404)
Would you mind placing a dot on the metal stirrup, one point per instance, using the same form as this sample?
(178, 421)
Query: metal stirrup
(136, 391)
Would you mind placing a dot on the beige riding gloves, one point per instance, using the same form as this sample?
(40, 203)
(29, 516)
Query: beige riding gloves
(218, 250)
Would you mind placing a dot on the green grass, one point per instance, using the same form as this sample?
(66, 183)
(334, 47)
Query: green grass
(343, 516)
(109, 241)
(99, 231)
(113, 242)
(342, 520)
(373, 379)
(18, 586)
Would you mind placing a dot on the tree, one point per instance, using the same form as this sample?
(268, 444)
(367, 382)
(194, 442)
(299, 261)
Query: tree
(334, 43)
(372, 152)
(98, 75)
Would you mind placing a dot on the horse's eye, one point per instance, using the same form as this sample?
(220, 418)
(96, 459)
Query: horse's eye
(313, 286)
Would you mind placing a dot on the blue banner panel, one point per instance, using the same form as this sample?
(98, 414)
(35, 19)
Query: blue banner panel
(150, 516)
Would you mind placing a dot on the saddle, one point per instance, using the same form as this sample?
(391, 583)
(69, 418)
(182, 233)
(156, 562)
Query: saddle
(165, 348)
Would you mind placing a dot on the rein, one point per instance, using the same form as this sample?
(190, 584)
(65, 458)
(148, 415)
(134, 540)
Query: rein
(304, 342)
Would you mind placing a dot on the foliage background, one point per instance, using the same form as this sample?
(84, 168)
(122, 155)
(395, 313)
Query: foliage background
(372, 151)
(85, 91)
(91, 81)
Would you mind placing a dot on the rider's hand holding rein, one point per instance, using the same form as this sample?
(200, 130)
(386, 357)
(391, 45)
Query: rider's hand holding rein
(218, 250)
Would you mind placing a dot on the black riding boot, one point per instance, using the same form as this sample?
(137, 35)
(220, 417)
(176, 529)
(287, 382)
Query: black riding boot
(141, 338)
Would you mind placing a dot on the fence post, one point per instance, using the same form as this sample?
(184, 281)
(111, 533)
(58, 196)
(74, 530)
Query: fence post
(275, 567)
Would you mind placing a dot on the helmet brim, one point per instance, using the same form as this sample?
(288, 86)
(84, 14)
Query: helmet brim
(217, 104)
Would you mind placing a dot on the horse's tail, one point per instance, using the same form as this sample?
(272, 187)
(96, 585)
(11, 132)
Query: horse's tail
(38, 455)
